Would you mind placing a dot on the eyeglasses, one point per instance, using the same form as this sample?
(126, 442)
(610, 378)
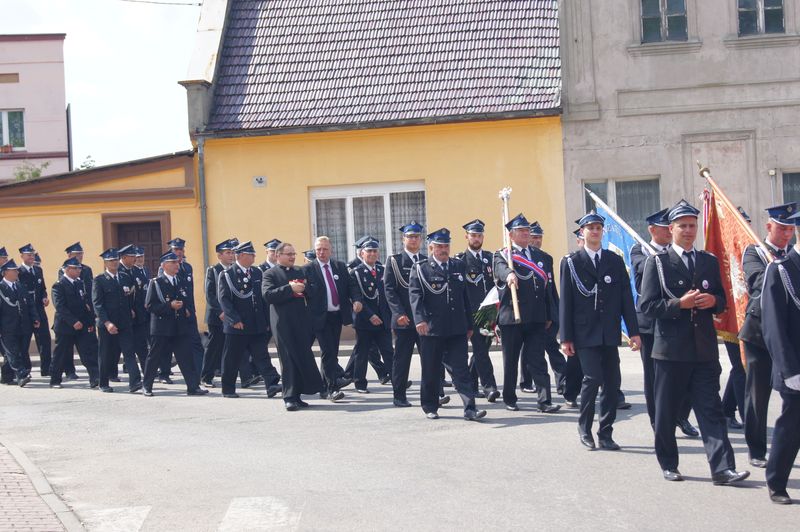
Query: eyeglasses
(289, 254)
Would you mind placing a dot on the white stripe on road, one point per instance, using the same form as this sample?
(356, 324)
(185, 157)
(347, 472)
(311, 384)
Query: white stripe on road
(128, 519)
(259, 514)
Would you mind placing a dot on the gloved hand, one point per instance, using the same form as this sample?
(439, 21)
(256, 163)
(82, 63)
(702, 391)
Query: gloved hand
(793, 382)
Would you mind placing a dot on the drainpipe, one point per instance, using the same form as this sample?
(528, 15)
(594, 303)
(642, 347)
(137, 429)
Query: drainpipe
(201, 174)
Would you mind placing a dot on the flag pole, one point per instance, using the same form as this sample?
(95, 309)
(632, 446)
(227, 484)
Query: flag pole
(505, 195)
(706, 174)
(620, 221)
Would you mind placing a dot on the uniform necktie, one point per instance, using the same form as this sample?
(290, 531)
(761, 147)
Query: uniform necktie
(334, 292)
(415, 259)
(445, 267)
(597, 261)
(780, 253)
(690, 258)
(373, 272)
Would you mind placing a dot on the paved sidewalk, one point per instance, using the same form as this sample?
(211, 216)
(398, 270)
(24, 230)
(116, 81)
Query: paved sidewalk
(21, 507)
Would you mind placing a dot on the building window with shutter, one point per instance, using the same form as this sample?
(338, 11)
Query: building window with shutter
(760, 16)
(633, 200)
(345, 214)
(12, 130)
(791, 186)
(664, 20)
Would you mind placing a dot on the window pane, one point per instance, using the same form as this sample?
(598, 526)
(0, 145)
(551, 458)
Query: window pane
(2, 130)
(332, 222)
(676, 7)
(601, 189)
(650, 8)
(676, 28)
(16, 129)
(635, 201)
(651, 29)
(748, 22)
(791, 187)
(368, 220)
(406, 206)
(773, 3)
(748, 4)
(773, 21)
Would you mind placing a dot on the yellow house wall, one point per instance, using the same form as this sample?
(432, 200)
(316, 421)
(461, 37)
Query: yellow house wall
(463, 167)
(165, 179)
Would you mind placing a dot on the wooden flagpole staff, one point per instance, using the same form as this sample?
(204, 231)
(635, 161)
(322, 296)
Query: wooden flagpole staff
(505, 195)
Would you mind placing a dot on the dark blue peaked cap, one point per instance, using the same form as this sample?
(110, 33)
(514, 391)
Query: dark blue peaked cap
(681, 209)
(27, 248)
(139, 251)
(782, 213)
(590, 218)
(177, 242)
(10, 265)
(440, 236)
(744, 214)
(234, 241)
(72, 262)
(518, 222)
(130, 249)
(536, 229)
(3, 252)
(475, 226)
(74, 248)
(659, 218)
(412, 228)
(370, 243)
(222, 246)
(110, 254)
(310, 255)
(273, 244)
(577, 233)
(169, 256)
(245, 247)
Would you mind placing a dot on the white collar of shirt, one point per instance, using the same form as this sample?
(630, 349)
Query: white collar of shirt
(657, 247)
(271, 264)
(27, 268)
(592, 253)
(170, 278)
(441, 264)
(476, 254)
(411, 255)
(681, 252)
(9, 283)
(776, 248)
(70, 279)
(112, 275)
(244, 270)
(323, 264)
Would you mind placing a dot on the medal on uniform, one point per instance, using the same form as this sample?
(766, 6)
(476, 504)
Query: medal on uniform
(680, 282)
(705, 284)
(460, 278)
(541, 264)
(607, 279)
(489, 269)
(485, 260)
(472, 275)
(336, 276)
(189, 278)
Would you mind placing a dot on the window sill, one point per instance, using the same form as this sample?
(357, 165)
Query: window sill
(762, 41)
(665, 48)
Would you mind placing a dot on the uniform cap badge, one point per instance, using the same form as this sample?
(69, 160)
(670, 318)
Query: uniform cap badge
(607, 279)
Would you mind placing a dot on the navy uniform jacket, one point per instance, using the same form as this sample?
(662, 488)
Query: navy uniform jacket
(140, 280)
(369, 290)
(317, 292)
(213, 308)
(135, 292)
(395, 280)
(164, 320)
(264, 266)
(448, 312)
(112, 300)
(638, 258)
(478, 275)
(548, 262)
(240, 299)
(594, 320)
(34, 285)
(16, 312)
(754, 266)
(684, 335)
(86, 276)
(780, 323)
(535, 296)
(72, 304)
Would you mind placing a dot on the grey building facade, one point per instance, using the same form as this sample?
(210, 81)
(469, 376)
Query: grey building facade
(652, 86)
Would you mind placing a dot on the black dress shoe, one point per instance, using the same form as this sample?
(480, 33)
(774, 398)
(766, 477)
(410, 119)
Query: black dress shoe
(24, 380)
(760, 463)
(135, 388)
(728, 477)
(608, 444)
(571, 405)
(165, 380)
(673, 475)
(733, 423)
(587, 441)
(512, 407)
(402, 403)
(273, 390)
(687, 428)
(249, 382)
(302, 404)
(527, 389)
(45, 374)
(549, 409)
(56, 386)
(432, 415)
(447, 384)
(93, 385)
(147, 393)
(343, 382)
(474, 415)
(480, 394)
(443, 400)
(230, 395)
(114, 379)
(622, 405)
(291, 406)
(197, 391)
(335, 396)
(209, 384)
(408, 384)
(386, 379)
(493, 396)
(72, 377)
(106, 389)
(362, 390)
(779, 497)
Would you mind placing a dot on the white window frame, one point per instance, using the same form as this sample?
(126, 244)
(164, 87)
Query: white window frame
(662, 6)
(760, 11)
(611, 187)
(6, 131)
(348, 192)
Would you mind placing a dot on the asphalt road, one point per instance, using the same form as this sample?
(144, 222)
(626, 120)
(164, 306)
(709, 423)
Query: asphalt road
(172, 462)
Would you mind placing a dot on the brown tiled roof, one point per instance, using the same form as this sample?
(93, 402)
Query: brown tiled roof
(355, 63)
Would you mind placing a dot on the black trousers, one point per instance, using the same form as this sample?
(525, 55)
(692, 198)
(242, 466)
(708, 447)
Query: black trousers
(526, 339)
(141, 341)
(785, 442)
(733, 396)
(43, 344)
(242, 346)
(573, 377)
(328, 338)
(673, 380)
(600, 367)
(558, 363)
(647, 366)
(382, 368)
(758, 387)
(480, 364)
(14, 366)
(367, 342)
(212, 358)
(111, 345)
(86, 343)
(162, 347)
(450, 352)
(403, 348)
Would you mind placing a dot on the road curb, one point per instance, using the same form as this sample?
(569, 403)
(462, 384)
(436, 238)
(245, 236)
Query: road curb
(63, 512)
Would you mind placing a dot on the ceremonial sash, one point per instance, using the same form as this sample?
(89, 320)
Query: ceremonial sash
(535, 268)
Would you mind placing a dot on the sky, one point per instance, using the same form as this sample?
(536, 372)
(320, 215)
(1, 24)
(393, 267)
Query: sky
(122, 63)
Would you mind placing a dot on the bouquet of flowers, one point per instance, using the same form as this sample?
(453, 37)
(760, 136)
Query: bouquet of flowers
(486, 316)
